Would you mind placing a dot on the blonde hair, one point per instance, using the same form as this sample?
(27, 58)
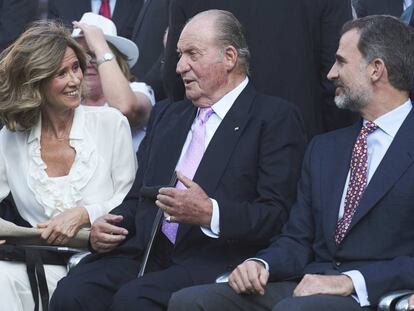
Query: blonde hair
(26, 65)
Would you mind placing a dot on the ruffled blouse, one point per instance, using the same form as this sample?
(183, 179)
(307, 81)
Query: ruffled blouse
(100, 177)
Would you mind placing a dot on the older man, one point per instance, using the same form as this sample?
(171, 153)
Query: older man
(349, 238)
(237, 154)
(293, 46)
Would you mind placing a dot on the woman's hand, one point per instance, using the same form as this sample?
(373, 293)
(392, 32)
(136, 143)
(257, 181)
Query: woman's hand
(64, 226)
(94, 38)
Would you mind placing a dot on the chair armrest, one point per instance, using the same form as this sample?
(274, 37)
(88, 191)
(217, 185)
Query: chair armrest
(75, 259)
(402, 303)
(223, 278)
(388, 301)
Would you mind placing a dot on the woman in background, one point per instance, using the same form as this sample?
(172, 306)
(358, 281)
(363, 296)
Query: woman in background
(108, 75)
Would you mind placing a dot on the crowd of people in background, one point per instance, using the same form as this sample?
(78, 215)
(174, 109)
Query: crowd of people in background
(263, 144)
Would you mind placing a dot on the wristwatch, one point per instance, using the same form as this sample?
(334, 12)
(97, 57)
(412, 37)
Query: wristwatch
(105, 58)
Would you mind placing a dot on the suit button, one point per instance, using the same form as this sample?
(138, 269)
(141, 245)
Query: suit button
(337, 263)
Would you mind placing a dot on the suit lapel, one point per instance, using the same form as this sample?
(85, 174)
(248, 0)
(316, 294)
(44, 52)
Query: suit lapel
(118, 17)
(335, 167)
(221, 146)
(395, 162)
(140, 18)
(170, 141)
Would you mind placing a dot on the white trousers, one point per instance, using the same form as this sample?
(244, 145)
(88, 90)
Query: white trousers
(15, 292)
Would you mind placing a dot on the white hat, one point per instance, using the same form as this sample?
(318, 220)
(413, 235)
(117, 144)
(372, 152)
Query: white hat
(125, 46)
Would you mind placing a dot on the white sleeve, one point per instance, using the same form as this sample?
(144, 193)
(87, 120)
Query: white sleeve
(123, 169)
(141, 87)
(214, 230)
(360, 287)
(265, 264)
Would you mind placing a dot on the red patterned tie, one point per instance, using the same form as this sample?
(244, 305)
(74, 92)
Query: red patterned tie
(357, 181)
(105, 9)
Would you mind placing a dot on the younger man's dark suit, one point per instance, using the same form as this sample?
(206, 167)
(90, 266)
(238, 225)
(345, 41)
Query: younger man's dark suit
(379, 242)
(375, 7)
(250, 167)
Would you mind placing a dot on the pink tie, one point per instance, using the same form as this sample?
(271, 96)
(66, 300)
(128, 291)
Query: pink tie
(357, 181)
(189, 163)
(104, 9)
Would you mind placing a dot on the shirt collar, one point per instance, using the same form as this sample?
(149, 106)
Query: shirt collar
(76, 131)
(226, 102)
(391, 122)
(35, 131)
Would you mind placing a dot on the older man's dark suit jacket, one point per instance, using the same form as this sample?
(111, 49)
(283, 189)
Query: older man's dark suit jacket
(380, 240)
(124, 16)
(250, 167)
(292, 45)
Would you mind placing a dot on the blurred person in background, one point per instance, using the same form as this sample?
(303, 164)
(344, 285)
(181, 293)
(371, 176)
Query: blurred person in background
(374, 7)
(14, 16)
(108, 77)
(148, 35)
(123, 13)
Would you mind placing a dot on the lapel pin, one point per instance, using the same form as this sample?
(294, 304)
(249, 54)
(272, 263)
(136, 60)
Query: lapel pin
(236, 128)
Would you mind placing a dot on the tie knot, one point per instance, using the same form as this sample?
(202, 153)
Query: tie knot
(204, 114)
(368, 128)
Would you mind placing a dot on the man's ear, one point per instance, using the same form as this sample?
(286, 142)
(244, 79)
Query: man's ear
(377, 69)
(230, 57)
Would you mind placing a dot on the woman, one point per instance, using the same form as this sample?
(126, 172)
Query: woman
(65, 164)
(108, 75)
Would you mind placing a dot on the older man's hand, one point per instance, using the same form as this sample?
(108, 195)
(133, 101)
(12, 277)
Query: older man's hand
(191, 205)
(249, 277)
(314, 284)
(105, 234)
